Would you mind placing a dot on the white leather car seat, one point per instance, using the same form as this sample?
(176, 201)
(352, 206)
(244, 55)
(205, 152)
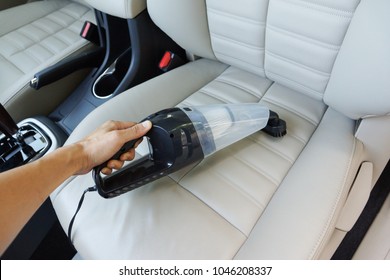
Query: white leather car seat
(323, 66)
(34, 36)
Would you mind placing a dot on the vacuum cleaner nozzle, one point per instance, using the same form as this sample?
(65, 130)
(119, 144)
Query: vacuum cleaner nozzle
(275, 127)
(183, 136)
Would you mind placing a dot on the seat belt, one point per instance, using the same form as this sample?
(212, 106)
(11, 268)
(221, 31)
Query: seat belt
(354, 237)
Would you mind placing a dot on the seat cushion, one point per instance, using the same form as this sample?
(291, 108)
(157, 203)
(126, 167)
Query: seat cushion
(34, 36)
(259, 198)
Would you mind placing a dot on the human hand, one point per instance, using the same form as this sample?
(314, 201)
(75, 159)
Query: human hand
(102, 144)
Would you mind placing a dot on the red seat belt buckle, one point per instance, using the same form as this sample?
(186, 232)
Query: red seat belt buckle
(86, 27)
(170, 61)
(90, 32)
(166, 61)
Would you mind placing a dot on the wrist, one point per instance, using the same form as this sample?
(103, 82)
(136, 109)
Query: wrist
(74, 156)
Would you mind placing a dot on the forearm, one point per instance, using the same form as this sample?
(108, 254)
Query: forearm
(22, 192)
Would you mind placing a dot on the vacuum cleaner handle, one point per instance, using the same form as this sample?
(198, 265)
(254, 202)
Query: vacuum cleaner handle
(127, 146)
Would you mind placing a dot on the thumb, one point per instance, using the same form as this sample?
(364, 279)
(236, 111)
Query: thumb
(139, 129)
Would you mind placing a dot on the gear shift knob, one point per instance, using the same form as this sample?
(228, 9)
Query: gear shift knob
(7, 124)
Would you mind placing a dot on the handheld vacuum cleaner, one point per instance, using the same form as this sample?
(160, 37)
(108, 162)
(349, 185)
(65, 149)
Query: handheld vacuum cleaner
(183, 136)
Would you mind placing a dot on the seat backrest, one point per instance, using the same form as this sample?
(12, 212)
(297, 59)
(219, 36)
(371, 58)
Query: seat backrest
(294, 43)
(120, 8)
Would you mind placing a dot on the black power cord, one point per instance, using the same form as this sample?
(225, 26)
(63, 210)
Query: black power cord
(90, 189)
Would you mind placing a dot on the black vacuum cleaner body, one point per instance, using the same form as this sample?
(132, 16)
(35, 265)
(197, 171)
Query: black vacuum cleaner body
(183, 136)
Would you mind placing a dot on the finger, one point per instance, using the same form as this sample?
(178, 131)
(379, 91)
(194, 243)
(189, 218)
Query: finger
(106, 171)
(115, 164)
(117, 125)
(129, 155)
(138, 130)
(110, 126)
(123, 125)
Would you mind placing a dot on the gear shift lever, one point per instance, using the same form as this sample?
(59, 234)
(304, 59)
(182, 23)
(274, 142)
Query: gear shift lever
(7, 124)
(21, 143)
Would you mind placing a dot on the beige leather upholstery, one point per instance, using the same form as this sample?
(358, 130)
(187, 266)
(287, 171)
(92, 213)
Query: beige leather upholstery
(34, 36)
(261, 198)
(369, 61)
(120, 8)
